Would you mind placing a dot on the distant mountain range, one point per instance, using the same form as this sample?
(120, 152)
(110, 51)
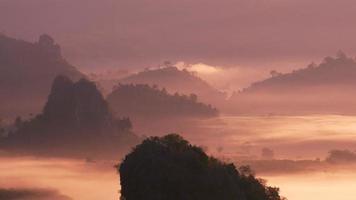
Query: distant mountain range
(329, 87)
(175, 80)
(27, 71)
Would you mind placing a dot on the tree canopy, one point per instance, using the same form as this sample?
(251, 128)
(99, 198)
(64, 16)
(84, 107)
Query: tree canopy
(170, 168)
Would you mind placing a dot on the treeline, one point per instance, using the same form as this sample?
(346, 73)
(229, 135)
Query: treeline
(144, 100)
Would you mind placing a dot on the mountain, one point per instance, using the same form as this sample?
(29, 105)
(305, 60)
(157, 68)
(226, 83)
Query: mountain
(77, 105)
(175, 80)
(75, 120)
(329, 87)
(27, 71)
(144, 101)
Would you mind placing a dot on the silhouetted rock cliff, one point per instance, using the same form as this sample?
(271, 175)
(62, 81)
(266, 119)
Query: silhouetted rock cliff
(75, 120)
(77, 104)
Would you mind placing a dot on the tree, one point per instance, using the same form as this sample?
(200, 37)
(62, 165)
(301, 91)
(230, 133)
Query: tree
(274, 73)
(193, 97)
(18, 122)
(2, 129)
(220, 149)
(167, 63)
(341, 156)
(169, 167)
(312, 65)
(341, 55)
(46, 40)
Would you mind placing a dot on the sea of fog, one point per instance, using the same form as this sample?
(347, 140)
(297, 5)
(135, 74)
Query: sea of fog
(76, 179)
(93, 181)
(316, 186)
(290, 137)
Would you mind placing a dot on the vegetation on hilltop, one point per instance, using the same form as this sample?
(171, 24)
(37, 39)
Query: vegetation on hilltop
(169, 167)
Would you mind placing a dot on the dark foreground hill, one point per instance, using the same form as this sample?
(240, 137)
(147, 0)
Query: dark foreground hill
(76, 120)
(27, 71)
(175, 80)
(327, 88)
(140, 101)
(169, 167)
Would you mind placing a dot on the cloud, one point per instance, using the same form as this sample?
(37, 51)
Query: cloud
(225, 78)
(199, 68)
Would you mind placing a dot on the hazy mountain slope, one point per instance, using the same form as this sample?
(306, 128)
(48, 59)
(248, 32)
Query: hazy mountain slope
(27, 71)
(329, 87)
(175, 80)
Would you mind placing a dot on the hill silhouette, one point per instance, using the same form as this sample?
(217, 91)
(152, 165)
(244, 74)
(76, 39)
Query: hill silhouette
(170, 167)
(142, 100)
(27, 71)
(76, 120)
(317, 89)
(175, 80)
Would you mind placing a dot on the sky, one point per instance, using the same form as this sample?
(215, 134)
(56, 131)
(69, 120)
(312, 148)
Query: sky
(252, 35)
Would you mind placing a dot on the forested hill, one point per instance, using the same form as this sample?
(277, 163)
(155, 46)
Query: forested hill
(142, 100)
(328, 87)
(340, 70)
(176, 80)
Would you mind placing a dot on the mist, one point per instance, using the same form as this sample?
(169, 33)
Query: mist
(32, 178)
(99, 96)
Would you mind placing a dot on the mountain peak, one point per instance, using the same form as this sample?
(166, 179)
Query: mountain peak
(27, 72)
(176, 80)
(76, 103)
